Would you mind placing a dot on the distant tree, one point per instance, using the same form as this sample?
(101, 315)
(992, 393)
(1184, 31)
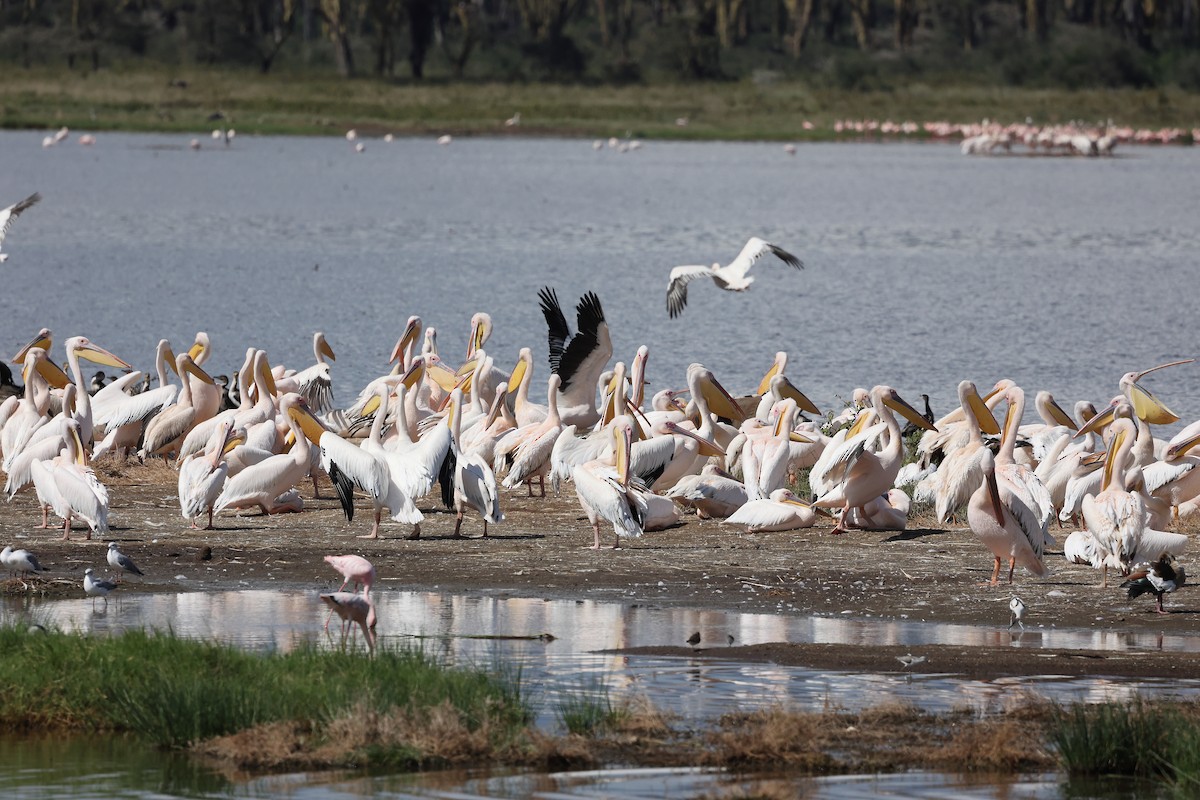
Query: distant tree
(467, 17)
(421, 15)
(336, 14)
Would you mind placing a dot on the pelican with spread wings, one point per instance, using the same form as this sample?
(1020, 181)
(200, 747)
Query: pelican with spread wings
(8, 215)
(732, 278)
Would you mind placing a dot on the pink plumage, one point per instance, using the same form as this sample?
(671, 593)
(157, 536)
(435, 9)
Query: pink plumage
(353, 568)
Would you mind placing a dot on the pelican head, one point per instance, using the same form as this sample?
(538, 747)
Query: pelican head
(481, 329)
(1148, 407)
(41, 340)
(321, 347)
(82, 347)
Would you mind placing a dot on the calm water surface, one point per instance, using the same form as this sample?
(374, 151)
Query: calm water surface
(924, 267)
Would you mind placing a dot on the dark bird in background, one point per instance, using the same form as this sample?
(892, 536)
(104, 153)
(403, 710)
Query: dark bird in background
(1162, 577)
(8, 388)
(910, 428)
(97, 382)
(731, 278)
(694, 639)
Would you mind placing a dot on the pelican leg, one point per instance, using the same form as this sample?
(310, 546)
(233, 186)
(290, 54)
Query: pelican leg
(1012, 565)
(1104, 576)
(529, 486)
(209, 527)
(374, 534)
(1160, 608)
(67, 528)
(995, 581)
(542, 483)
(596, 531)
(416, 533)
(616, 541)
(485, 533)
(45, 517)
(458, 526)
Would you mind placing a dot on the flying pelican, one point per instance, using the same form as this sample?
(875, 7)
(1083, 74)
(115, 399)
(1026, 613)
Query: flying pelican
(474, 482)
(577, 359)
(732, 277)
(8, 215)
(71, 488)
(864, 475)
(202, 476)
(604, 491)
(781, 511)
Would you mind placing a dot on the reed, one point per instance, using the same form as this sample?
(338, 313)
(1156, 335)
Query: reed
(1155, 739)
(587, 710)
(175, 692)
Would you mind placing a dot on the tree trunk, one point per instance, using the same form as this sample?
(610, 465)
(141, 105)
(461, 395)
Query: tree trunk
(602, 19)
(801, 13)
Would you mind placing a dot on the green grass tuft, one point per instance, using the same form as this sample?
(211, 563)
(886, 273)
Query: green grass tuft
(588, 710)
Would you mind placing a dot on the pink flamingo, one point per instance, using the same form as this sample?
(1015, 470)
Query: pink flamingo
(353, 568)
(353, 607)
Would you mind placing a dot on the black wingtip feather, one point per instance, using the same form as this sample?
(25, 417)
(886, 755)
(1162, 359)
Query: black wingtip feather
(787, 257)
(446, 478)
(345, 490)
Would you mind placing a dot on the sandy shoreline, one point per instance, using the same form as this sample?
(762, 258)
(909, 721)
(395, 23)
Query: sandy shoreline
(920, 575)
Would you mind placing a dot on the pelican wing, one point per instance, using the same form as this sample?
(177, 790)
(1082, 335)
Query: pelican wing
(199, 485)
(650, 457)
(1022, 508)
(1157, 475)
(590, 344)
(315, 385)
(134, 408)
(842, 460)
(85, 496)
(476, 484)
(1152, 544)
(754, 250)
(678, 283)
(761, 513)
(557, 323)
(8, 215)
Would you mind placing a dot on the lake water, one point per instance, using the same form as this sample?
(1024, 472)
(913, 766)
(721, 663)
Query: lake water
(923, 267)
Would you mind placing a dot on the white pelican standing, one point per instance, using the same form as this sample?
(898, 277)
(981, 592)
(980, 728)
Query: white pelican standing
(604, 491)
(732, 277)
(350, 466)
(1005, 521)
(961, 473)
(202, 476)
(531, 458)
(861, 474)
(781, 511)
(1117, 518)
(167, 430)
(1175, 479)
(577, 359)
(69, 486)
(10, 214)
(474, 482)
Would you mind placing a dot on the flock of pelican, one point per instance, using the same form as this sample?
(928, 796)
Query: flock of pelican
(635, 464)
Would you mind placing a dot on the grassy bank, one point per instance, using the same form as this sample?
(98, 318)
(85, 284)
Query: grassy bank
(313, 709)
(154, 100)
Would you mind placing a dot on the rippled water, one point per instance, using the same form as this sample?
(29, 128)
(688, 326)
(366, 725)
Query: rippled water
(923, 267)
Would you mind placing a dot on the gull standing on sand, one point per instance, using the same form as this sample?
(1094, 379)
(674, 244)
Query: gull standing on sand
(20, 560)
(731, 277)
(9, 214)
(118, 560)
(96, 588)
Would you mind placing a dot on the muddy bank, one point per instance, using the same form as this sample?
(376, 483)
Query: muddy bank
(924, 574)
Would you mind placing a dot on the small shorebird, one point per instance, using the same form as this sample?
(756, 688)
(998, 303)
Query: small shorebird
(118, 560)
(909, 660)
(96, 588)
(1016, 610)
(21, 561)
